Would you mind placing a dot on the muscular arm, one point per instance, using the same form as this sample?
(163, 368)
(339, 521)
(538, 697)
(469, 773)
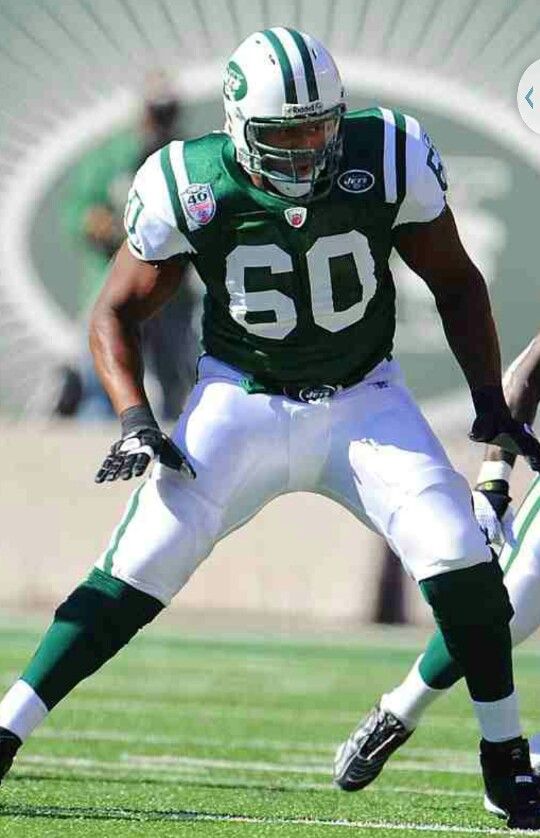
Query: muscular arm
(434, 251)
(134, 291)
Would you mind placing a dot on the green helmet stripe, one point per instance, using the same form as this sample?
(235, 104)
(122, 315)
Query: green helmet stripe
(291, 95)
(313, 90)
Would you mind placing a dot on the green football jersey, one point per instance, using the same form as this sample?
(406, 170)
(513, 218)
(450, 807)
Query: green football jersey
(300, 294)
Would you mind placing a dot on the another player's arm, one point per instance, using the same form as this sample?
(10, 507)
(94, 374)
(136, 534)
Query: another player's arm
(435, 252)
(521, 385)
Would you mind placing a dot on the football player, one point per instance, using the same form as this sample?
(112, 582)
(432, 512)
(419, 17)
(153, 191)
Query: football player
(289, 216)
(361, 758)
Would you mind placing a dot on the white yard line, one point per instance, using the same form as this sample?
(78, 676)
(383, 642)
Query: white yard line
(167, 762)
(285, 747)
(133, 762)
(371, 825)
(217, 817)
(184, 708)
(323, 768)
(195, 770)
(123, 737)
(145, 706)
(297, 754)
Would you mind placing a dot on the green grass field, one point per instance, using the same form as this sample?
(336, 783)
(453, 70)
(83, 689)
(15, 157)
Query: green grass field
(228, 736)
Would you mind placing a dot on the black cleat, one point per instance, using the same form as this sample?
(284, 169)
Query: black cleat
(9, 745)
(511, 791)
(361, 758)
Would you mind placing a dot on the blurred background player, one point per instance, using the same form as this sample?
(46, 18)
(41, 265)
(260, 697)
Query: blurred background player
(398, 713)
(93, 218)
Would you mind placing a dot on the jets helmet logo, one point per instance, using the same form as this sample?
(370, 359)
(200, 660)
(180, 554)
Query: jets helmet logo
(199, 202)
(296, 216)
(235, 82)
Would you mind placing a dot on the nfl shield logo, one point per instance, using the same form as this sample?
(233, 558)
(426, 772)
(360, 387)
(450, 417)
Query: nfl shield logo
(199, 202)
(296, 216)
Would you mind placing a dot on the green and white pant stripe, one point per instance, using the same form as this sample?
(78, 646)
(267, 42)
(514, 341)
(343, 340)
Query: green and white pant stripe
(524, 528)
(106, 563)
(520, 561)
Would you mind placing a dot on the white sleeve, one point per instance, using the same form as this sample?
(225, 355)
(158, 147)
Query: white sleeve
(425, 178)
(151, 228)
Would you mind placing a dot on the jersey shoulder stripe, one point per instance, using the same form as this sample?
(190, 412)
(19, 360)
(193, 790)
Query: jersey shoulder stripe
(365, 147)
(131, 218)
(413, 136)
(401, 158)
(382, 128)
(404, 149)
(394, 155)
(150, 218)
(389, 156)
(188, 163)
(172, 187)
(177, 178)
(420, 175)
(150, 187)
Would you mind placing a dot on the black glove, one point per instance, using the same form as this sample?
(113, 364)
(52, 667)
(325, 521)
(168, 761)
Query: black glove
(496, 493)
(142, 441)
(494, 424)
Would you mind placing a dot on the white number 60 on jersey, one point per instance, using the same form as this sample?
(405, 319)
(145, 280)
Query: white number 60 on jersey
(320, 279)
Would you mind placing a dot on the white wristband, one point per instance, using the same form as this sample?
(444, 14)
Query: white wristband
(494, 470)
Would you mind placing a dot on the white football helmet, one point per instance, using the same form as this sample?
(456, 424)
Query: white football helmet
(280, 81)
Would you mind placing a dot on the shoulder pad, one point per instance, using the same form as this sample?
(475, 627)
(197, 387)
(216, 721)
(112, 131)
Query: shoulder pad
(367, 140)
(425, 175)
(150, 219)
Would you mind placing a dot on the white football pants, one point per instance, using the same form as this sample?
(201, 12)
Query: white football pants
(368, 447)
(520, 561)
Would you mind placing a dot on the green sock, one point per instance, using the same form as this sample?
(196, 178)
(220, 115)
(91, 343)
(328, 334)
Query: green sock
(473, 611)
(437, 667)
(94, 622)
